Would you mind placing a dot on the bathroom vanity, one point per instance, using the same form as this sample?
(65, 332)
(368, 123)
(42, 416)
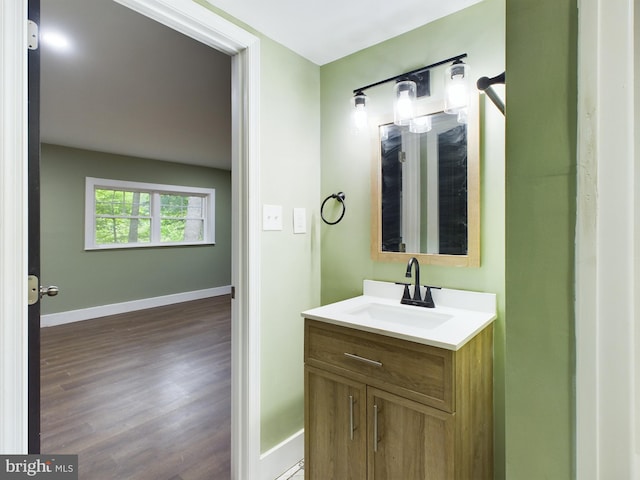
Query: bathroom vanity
(399, 392)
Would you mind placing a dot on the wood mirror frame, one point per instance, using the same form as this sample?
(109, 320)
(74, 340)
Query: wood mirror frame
(472, 257)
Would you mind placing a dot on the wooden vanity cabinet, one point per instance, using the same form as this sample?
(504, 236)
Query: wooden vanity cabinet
(338, 426)
(380, 408)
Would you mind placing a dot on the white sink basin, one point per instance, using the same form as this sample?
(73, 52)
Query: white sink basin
(457, 317)
(400, 314)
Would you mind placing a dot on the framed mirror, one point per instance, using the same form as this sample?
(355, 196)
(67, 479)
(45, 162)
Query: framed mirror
(425, 192)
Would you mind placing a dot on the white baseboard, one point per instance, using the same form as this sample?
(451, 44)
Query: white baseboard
(282, 457)
(115, 308)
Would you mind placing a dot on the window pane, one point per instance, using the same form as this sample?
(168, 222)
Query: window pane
(122, 230)
(122, 203)
(180, 206)
(181, 230)
(144, 204)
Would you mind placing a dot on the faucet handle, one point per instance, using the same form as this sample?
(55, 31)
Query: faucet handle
(405, 295)
(428, 299)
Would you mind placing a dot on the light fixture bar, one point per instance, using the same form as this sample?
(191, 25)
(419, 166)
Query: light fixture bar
(412, 72)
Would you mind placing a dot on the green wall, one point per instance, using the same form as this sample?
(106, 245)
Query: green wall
(103, 277)
(527, 226)
(346, 158)
(290, 263)
(540, 216)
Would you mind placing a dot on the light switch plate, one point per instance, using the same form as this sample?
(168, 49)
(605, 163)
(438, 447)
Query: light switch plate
(299, 220)
(272, 217)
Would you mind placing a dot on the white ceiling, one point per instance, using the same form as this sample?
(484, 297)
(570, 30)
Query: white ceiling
(128, 85)
(323, 31)
(131, 86)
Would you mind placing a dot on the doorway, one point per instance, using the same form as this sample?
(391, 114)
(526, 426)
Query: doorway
(129, 99)
(201, 24)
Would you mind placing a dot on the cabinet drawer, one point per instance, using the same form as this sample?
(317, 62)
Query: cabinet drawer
(420, 372)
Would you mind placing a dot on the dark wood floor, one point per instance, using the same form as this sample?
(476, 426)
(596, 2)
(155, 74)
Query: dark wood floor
(142, 395)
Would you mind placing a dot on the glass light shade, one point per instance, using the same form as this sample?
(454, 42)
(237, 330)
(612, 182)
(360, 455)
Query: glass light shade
(384, 132)
(404, 105)
(360, 119)
(420, 124)
(463, 115)
(456, 79)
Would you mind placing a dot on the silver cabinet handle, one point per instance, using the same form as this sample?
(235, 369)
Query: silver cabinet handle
(351, 416)
(375, 428)
(368, 361)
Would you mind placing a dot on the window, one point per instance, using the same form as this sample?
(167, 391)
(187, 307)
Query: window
(121, 214)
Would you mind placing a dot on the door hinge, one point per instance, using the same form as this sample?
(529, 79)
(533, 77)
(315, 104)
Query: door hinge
(402, 156)
(233, 292)
(32, 35)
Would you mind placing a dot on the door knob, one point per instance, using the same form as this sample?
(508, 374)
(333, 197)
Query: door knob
(51, 291)
(36, 291)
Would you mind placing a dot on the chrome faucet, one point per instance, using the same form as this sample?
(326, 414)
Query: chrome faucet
(417, 297)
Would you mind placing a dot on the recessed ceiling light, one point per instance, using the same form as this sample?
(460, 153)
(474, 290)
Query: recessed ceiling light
(56, 40)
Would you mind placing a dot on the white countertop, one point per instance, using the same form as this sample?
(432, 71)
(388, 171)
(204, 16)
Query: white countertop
(459, 315)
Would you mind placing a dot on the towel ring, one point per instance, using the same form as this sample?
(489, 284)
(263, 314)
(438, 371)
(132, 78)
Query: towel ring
(340, 196)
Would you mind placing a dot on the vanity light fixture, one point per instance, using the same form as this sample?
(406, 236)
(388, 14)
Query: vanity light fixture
(456, 79)
(421, 124)
(405, 100)
(360, 110)
(409, 86)
(463, 115)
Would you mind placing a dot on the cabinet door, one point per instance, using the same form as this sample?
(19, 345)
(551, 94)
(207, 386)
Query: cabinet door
(335, 427)
(408, 440)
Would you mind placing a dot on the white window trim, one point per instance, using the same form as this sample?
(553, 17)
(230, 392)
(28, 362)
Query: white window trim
(156, 189)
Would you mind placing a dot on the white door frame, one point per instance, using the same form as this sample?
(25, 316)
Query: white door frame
(13, 227)
(607, 245)
(203, 25)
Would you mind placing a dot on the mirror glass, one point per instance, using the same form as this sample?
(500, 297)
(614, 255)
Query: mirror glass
(425, 190)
